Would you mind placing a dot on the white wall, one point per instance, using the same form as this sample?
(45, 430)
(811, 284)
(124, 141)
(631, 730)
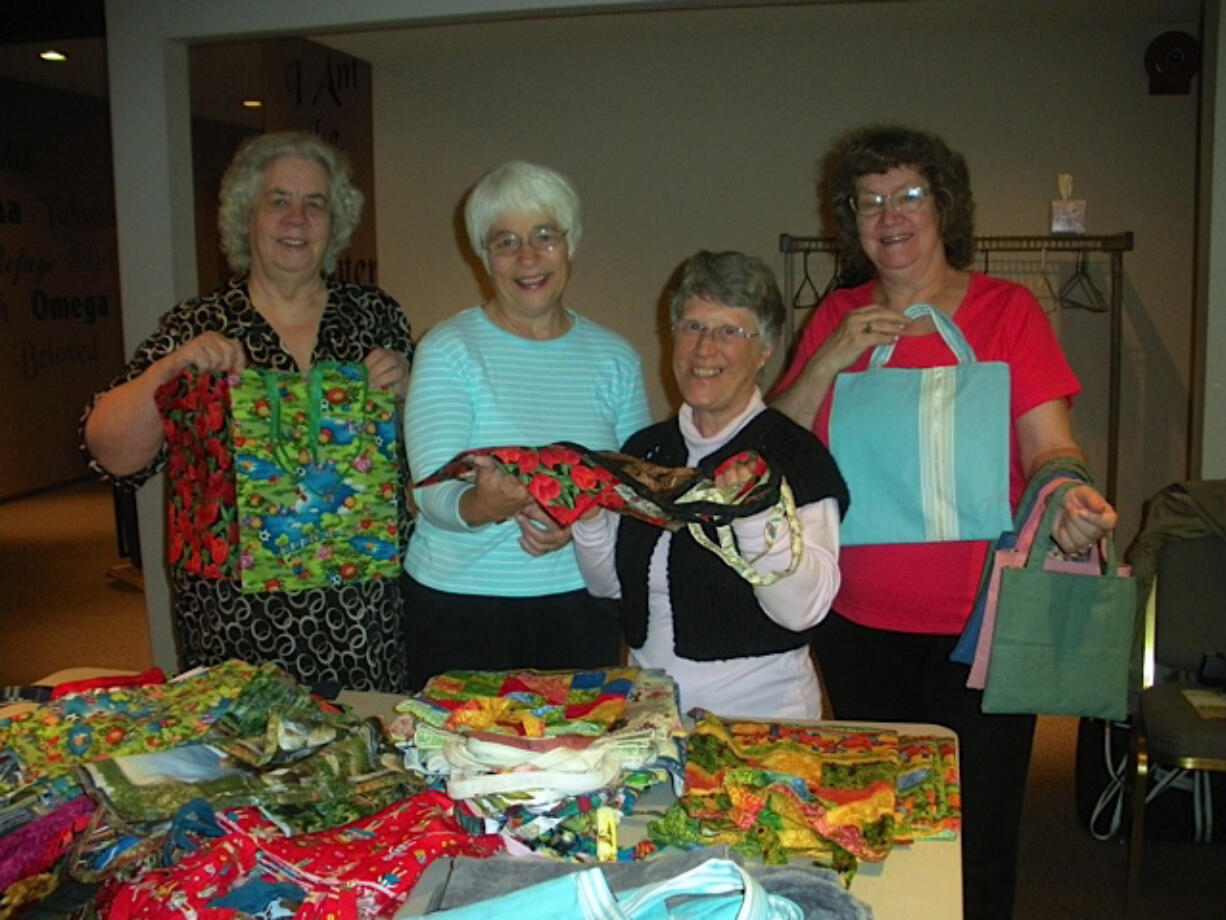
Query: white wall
(701, 129)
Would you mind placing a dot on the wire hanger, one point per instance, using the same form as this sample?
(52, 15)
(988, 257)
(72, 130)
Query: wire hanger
(806, 281)
(836, 277)
(1047, 292)
(1080, 292)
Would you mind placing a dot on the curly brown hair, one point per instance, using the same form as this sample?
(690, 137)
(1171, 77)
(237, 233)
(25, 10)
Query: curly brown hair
(876, 149)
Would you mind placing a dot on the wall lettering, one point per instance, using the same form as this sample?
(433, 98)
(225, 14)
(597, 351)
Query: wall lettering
(362, 271)
(21, 266)
(336, 78)
(10, 211)
(63, 213)
(87, 309)
(31, 358)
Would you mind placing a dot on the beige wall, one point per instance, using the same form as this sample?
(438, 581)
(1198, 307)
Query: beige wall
(698, 129)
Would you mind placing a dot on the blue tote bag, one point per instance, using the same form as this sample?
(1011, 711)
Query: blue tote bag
(924, 451)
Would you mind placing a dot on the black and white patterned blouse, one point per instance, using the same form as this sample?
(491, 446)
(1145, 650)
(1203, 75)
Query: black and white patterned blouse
(351, 635)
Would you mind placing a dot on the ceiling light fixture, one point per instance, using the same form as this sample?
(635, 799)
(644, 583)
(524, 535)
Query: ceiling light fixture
(253, 103)
(52, 55)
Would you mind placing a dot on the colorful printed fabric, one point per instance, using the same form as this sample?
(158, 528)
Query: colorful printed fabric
(51, 740)
(201, 525)
(568, 480)
(777, 790)
(317, 468)
(360, 870)
(929, 789)
(535, 704)
(308, 764)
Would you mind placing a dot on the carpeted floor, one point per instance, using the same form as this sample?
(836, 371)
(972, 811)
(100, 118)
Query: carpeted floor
(60, 609)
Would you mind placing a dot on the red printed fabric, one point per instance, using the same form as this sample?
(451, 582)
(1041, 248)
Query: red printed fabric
(202, 524)
(361, 870)
(568, 480)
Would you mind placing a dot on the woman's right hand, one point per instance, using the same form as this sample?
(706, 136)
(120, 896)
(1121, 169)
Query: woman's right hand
(207, 352)
(495, 496)
(860, 329)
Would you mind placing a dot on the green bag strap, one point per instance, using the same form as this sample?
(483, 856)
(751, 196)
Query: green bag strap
(315, 396)
(1043, 541)
(280, 450)
(784, 510)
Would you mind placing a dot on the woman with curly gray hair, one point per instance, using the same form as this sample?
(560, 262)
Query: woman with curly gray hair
(288, 207)
(903, 208)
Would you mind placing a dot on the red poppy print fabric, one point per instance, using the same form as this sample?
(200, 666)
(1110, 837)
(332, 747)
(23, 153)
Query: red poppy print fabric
(568, 480)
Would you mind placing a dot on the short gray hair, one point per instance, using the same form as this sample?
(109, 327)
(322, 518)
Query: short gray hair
(733, 279)
(241, 184)
(518, 187)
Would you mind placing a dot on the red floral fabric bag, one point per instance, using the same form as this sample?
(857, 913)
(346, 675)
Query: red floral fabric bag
(202, 524)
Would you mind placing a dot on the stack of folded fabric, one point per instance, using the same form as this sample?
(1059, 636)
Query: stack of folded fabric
(832, 793)
(549, 758)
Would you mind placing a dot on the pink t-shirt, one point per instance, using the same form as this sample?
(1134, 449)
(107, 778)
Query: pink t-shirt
(930, 587)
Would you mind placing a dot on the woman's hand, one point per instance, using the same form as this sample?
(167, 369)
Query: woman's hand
(1084, 518)
(494, 496)
(539, 533)
(861, 328)
(389, 370)
(209, 352)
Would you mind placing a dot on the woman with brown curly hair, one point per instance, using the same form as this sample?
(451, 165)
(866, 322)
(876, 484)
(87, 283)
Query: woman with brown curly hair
(904, 213)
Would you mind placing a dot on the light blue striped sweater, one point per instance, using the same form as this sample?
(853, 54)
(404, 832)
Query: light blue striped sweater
(476, 385)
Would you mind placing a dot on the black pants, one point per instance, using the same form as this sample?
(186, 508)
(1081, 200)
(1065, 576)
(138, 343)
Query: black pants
(478, 632)
(875, 675)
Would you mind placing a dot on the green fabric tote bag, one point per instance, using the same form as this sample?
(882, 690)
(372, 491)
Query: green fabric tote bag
(1063, 639)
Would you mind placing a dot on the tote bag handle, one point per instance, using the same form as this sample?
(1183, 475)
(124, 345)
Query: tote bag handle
(945, 326)
(1044, 543)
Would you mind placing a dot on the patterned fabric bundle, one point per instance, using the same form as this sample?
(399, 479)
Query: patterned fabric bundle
(779, 790)
(548, 757)
(308, 764)
(51, 740)
(837, 793)
(568, 480)
(929, 789)
(358, 871)
(530, 703)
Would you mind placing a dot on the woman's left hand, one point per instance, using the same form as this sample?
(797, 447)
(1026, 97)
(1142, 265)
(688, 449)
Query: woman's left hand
(539, 533)
(389, 370)
(1084, 519)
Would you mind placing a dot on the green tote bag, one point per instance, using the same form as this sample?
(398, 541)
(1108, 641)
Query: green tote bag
(1063, 638)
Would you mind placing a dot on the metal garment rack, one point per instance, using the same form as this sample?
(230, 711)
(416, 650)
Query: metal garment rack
(1113, 245)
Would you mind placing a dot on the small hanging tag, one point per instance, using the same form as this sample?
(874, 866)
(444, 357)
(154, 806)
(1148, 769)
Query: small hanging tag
(1068, 214)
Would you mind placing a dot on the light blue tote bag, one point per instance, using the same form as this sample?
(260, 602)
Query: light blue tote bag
(924, 451)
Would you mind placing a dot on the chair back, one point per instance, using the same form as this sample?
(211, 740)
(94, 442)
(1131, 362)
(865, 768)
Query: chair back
(1190, 602)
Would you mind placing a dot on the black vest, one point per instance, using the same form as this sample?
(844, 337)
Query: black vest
(715, 612)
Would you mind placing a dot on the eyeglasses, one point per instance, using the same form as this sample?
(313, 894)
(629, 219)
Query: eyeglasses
(690, 330)
(543, 239)
(905, 201)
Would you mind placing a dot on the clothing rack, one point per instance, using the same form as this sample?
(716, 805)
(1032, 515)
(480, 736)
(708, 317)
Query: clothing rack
(1112, 245)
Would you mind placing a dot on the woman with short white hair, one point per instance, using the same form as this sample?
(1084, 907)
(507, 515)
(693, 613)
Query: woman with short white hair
(493, 583)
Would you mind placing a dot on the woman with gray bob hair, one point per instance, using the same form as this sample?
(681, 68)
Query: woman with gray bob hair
(523, 187)
(241, 184)
(735, 644)
(288, 208)
(736, 280)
